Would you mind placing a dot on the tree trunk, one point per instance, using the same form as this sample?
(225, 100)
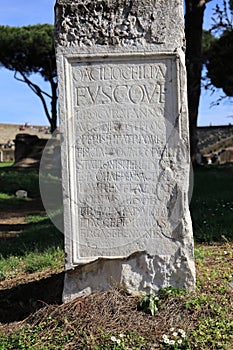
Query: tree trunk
(53, 120)
(193, 30)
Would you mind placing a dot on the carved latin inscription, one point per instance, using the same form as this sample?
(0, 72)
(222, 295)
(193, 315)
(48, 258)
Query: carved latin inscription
(121, 120)
(125, 145)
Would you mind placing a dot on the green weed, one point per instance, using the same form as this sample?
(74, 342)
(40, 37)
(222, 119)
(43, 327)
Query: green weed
(149, 304)
(213, 332)
(171, 292)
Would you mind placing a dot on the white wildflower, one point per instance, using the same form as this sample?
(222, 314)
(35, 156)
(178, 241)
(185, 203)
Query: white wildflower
(182, 333)
(172, 329)
(179, 341)
(166, 341)
(118, 341)
(121, 335)
(113, 338)
(174, 334)
(164, 336)
(172, 342)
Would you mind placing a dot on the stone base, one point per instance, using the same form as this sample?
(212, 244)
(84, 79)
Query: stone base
(138, 273)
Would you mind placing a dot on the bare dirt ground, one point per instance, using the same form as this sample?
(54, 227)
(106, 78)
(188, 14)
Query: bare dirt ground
(12, 219)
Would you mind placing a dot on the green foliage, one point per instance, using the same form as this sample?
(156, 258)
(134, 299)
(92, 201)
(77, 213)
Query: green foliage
(207, 41)
(35, 218)
(31, 338)
(219, 62)
(30, 49)
(231, 5)
(171, 292)
(149, 304)
(214, 332)
(197, 301)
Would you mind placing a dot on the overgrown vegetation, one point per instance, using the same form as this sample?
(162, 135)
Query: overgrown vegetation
(173, 319)
(201, 319)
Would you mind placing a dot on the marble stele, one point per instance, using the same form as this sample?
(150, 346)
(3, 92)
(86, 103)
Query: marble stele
(125, 149)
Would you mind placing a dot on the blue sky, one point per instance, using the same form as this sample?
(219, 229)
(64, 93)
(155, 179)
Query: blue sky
(19, 104)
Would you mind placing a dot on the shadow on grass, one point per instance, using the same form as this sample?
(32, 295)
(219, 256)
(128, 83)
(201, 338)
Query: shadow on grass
(19, 302)
(36, 237)
(212, 204)
(13, 179)
(10, 203)
(11, 228)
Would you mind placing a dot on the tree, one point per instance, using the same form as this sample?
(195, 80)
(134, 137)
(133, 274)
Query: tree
(27, 50)
(219, 63)
(207, 41)
(194, 15)
(220, 52)
(222, 19)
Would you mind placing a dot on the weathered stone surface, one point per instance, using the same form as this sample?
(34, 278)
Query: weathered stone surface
(138, 272)
(118, 22)
(125, 150)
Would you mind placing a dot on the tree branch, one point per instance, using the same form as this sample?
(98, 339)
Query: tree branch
(32, 85)
(36, 89)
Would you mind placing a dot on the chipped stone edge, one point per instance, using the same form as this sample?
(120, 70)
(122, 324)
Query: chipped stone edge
(138, 273)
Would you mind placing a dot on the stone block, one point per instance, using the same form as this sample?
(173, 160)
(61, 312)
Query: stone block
(125, 145)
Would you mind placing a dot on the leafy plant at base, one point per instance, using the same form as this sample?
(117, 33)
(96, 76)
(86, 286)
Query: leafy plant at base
(149, 304)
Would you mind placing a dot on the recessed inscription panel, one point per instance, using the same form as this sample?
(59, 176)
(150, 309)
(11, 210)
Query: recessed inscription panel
(125, 134)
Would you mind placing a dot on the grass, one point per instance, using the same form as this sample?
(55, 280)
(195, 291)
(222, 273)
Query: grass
(201, 319)
(12, 179)
(212, 204)
(40, 246)
(113, 320)
(6, 164)
(8, 201)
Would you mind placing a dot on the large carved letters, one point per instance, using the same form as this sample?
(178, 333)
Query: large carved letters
(120, 119)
